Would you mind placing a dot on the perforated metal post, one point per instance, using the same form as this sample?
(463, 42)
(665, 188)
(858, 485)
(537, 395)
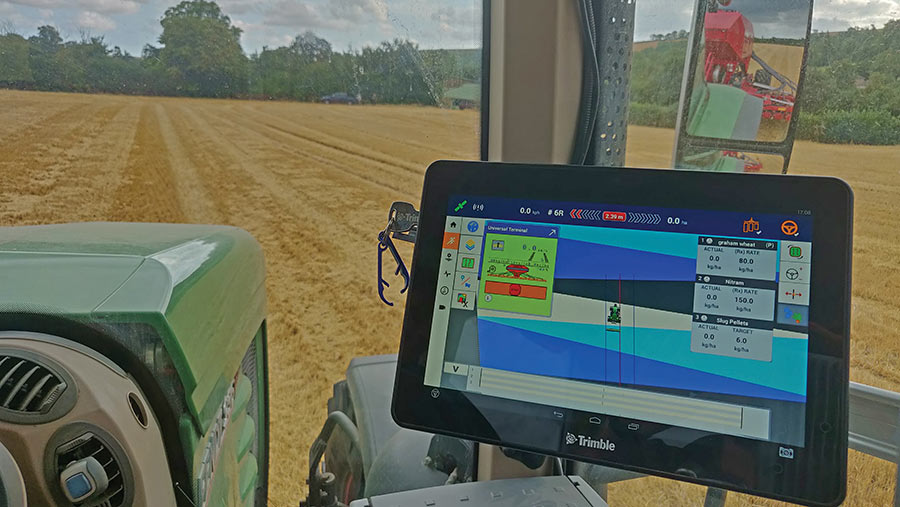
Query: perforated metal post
(615, 38)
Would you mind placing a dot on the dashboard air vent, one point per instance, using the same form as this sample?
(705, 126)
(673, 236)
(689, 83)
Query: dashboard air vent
(89, 445)
(28, 387)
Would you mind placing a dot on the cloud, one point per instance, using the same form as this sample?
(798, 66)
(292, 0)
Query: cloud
(90, 20)
(457, 23)
(97, 6)
(454, 15)
(239, 7)
(660, 16)
(831, 15)
(257, 35)
(331, 14)
(38, 3)
(775, 18)
(111, 6)
(11, 20)
(359, 11)
(295, 13)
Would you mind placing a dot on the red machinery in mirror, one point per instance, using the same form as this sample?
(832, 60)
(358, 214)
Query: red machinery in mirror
(729, 50)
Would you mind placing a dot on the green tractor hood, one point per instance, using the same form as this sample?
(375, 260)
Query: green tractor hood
(187, 298)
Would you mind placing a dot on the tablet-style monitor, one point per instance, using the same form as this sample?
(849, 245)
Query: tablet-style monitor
(684, 324)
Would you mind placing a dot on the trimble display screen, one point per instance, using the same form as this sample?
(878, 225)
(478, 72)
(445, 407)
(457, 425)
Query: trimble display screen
(641, 328)
(691, 318)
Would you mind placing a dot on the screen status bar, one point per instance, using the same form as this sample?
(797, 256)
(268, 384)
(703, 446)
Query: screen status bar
(797, 227)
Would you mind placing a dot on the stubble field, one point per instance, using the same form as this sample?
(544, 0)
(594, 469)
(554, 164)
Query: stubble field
(313, 183)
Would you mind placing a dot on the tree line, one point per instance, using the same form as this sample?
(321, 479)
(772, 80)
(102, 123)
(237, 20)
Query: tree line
(851, 93)
(199, 54)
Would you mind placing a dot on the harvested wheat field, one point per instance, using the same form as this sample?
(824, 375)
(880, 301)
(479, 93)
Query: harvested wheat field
(313, 184)
(787, 60)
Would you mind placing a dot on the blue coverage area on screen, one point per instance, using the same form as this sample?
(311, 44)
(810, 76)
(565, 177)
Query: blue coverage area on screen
(657, 354)
(578, 260)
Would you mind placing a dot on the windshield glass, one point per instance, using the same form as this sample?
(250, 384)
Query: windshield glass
(298, 121)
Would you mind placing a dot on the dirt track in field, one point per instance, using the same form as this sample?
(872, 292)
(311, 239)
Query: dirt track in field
(313, 184)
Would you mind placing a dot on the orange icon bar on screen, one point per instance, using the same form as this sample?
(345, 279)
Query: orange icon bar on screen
(451, 240)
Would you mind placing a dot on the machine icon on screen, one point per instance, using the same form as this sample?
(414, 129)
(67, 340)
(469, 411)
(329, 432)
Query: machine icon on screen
(615, 315)
(751, 225)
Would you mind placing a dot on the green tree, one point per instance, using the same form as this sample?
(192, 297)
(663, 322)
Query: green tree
(202, 50)
(394, 73)
(275, 73)
(15, 69)
(42, 49)
(306, 69)
(311, 48)
(881, 92)
(655, 75)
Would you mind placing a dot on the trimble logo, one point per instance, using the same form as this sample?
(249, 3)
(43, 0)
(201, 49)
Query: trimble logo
(583, 441)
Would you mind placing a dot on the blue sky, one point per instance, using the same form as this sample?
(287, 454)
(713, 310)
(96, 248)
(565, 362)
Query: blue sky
(432, 23)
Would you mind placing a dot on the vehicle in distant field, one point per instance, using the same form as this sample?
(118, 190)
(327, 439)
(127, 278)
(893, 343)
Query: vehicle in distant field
(340, 98)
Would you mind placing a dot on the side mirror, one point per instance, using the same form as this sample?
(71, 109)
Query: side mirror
(743, 76)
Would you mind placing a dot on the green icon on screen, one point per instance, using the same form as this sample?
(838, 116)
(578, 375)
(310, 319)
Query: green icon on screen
(795, 251)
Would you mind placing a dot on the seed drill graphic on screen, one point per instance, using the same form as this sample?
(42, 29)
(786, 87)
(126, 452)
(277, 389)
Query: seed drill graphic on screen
(517, 272)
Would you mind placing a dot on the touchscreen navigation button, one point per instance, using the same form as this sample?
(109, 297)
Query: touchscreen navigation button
(796, 251)
(796, 293)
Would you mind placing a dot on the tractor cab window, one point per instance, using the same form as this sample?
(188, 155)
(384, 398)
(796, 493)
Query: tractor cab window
(299, 121)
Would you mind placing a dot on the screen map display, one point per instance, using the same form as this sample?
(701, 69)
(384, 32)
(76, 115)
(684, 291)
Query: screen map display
(691, 318)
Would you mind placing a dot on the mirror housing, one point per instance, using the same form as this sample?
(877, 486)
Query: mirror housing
(741, 83)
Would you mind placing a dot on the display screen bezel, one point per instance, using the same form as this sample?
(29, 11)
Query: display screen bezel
(816, 474)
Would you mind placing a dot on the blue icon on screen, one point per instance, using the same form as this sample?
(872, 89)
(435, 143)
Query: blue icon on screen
(473, 226)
